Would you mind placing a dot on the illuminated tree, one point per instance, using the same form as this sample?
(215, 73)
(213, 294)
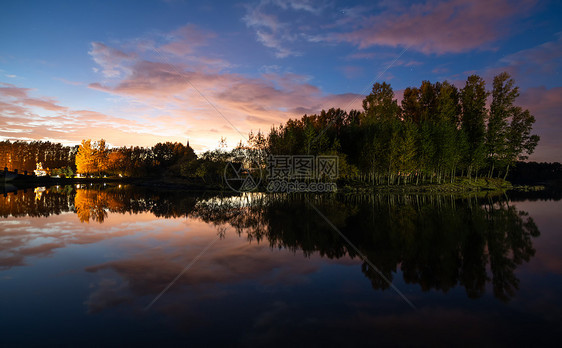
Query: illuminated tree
(100, 156)
(92, 158)
(85, 160)
(116, 162)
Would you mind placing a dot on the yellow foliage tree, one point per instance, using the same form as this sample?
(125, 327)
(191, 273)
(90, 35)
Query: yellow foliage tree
(91, 158)
(85, 158)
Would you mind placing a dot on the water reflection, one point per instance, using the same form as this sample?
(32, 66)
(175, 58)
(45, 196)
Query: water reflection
(437, 242)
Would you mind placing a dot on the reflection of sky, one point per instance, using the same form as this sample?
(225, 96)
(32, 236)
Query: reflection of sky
(86, 283)
(546, 215)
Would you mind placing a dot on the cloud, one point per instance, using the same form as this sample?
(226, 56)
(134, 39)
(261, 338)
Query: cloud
(184, 40)
(277, 34)
(45, 104)
(544, 58)
(269, 31)
(533, 66)
(436, 27)
(20, 96)
(311, 6)
(196, 100)
(110, 59)
(188, 99)
(10, 90)
(25, 117)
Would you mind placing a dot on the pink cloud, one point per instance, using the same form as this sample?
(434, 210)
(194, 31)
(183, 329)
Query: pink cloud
(10, 90)
(183, 41)
(21, 97)
(44, 104)
(437, 26)
(20, 119)
(190, 98)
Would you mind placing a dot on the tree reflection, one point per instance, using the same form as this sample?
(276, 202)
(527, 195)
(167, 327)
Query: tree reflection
(92, 203)
(438, 242)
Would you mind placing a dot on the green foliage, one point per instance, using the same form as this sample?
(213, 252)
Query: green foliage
(64, 172)
(474, 115)
(380, 104)
(437, 133)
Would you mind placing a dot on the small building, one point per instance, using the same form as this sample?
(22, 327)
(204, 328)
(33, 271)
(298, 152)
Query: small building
(40, 171)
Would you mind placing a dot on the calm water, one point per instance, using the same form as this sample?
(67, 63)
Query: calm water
(90, 266)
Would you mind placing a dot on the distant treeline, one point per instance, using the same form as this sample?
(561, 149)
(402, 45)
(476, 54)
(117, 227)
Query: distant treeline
(24, 156)
(533, 173)
(93, 158)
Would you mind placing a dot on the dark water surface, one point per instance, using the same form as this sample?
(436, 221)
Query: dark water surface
(89, 266)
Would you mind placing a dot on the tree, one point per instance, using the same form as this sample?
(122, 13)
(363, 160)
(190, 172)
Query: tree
(380, 104)
(85, 161)
(407, 149)
(446, 128)
(116, 162)
(520, 142)
(411, 110)
(436, 132)
(473, 102)
(504, 94)
(100, 156)
(428, 101)
(92, 158)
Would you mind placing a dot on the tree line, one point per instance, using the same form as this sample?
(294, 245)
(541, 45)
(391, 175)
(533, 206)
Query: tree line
(437, 132)
(24, 156)
(95, 158)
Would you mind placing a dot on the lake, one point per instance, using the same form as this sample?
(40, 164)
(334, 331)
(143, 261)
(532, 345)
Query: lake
(121, 265)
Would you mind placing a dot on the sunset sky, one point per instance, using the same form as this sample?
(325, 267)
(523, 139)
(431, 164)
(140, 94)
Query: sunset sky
(142, 72)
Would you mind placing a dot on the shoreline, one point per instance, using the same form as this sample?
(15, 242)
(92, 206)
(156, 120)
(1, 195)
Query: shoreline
(459, 186)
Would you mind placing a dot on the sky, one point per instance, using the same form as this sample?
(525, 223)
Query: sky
(143, 72)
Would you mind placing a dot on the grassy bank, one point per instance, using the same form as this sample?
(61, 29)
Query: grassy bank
(459, 185)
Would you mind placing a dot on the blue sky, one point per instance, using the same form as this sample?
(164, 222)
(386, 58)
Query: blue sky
(140, 72)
